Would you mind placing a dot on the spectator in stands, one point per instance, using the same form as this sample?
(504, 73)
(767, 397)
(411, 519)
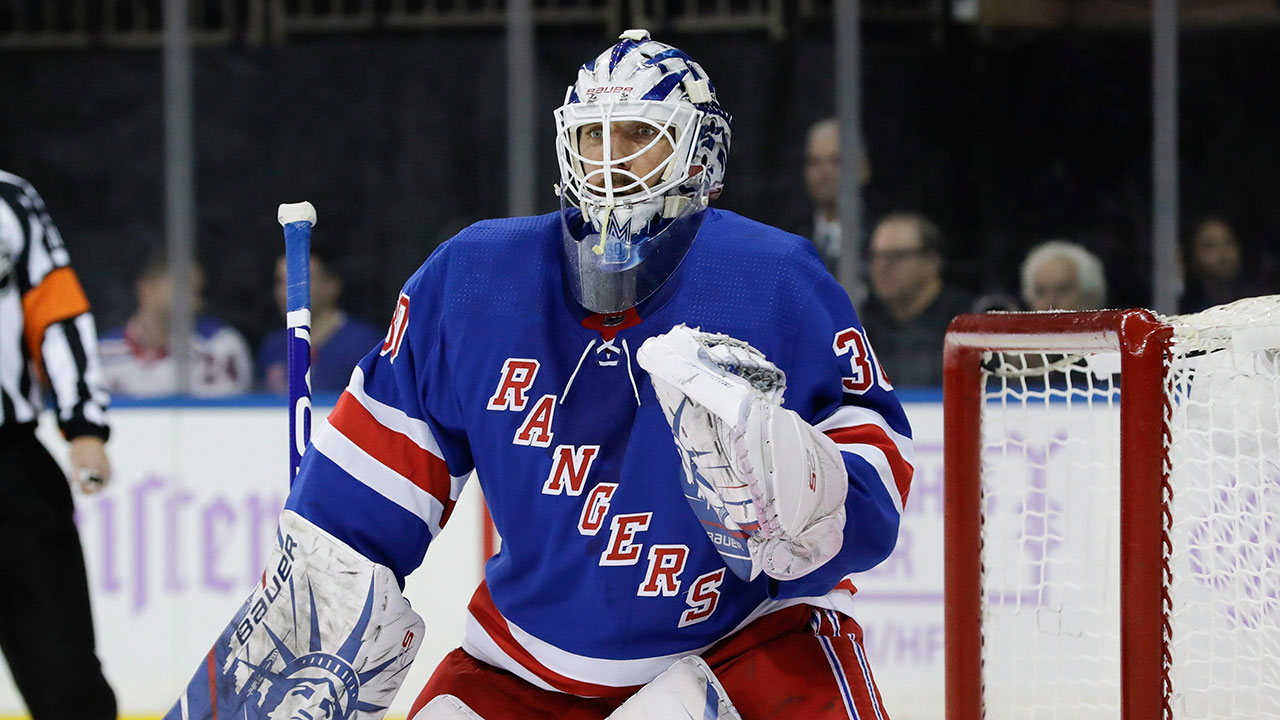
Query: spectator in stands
(907, 314)
(1215, 271)
(822, 181)
(137, 359)
(1061, 275)
(338, 341)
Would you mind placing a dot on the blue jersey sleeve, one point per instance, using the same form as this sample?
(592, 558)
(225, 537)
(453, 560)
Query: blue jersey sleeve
(836, 383)
(383, 473)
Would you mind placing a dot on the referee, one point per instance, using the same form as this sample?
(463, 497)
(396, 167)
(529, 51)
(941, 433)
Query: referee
(47, 337)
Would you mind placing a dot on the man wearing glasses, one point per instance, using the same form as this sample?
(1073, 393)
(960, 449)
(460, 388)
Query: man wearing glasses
(909, 308)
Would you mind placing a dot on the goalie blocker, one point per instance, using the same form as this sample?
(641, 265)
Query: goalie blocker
(325, 634)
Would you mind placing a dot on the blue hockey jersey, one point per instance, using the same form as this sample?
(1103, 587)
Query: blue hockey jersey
(605, 575)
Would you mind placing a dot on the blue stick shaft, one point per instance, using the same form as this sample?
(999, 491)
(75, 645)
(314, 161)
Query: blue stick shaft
(297, 252)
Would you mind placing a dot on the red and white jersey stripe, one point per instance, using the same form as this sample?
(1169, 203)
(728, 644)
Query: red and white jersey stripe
(393, 454)
(492, 638)
(864, 433)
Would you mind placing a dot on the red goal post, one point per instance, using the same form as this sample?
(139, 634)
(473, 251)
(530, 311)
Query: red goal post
(1070, 592)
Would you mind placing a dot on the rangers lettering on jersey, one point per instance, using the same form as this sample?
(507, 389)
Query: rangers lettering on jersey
(536, 428)
(622, 550)
(666, 562)
(704, 595)
(576, 459)
(569, 469)
(518, 375)
(596, 507)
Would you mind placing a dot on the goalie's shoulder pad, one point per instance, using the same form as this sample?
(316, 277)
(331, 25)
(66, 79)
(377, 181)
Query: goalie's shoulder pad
(325, 631)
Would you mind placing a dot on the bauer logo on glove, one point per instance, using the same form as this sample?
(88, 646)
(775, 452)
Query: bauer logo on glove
(768, 488)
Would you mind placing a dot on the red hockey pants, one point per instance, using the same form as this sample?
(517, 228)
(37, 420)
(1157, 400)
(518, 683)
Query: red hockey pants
(800, 662)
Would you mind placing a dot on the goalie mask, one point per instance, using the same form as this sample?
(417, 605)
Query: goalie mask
(642, 144)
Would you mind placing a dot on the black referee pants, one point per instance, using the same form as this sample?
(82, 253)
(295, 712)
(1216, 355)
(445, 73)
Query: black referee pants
(46, 631)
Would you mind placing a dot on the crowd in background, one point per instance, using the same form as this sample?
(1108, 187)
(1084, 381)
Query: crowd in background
(910, 304)
(980, 146)
(138, 362)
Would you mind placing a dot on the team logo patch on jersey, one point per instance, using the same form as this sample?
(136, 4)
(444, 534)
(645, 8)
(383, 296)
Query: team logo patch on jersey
(395, 333)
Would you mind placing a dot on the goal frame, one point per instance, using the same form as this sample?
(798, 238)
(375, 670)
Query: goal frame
(1143, 343)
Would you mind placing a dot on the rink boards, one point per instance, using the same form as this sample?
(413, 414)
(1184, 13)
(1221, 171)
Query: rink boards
(173, 547)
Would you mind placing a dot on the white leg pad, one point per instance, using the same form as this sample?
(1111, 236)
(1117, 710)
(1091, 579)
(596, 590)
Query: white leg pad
(688, 690)
(446, 707)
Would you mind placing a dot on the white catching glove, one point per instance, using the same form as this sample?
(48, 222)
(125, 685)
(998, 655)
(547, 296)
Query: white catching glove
(756, 464)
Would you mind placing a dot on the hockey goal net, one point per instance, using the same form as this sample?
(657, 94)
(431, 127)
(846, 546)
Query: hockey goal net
(1113, 514)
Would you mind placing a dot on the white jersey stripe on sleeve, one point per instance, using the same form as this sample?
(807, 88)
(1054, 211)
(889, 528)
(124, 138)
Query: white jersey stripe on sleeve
(94, 378)
(875, 457)
(39, 261)
(378, 477)
(394, 418)
(864, 433)
(847, 416)
(12, 363)
(61, 369)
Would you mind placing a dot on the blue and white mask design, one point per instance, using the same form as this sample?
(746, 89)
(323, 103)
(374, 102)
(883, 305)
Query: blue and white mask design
(642, 144)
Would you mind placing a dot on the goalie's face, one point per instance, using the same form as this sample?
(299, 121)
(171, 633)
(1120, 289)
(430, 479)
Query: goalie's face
(626, 156)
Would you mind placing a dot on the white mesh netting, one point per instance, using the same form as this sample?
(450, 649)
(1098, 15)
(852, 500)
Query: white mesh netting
(1051, 522)
(1224, 469)
(1050, 535)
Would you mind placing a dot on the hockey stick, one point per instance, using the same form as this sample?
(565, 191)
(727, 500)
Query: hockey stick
(297, 219)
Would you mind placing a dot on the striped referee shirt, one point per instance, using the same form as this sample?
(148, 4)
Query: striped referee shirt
(47, 333)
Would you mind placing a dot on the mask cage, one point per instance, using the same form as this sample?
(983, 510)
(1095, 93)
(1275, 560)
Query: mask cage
(591, 183)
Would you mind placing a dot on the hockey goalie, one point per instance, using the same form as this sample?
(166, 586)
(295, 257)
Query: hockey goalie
(681, 430)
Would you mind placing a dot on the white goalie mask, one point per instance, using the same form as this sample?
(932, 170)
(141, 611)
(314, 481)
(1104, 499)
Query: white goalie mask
(630, 209)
